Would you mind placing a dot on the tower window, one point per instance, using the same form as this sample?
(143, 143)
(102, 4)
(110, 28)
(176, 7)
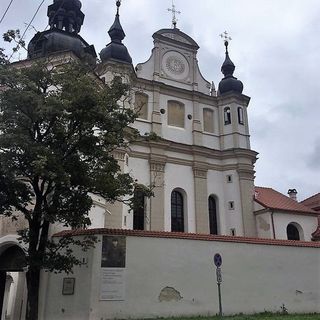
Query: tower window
(229, 178)
(227, 116)
(240, 115)
(176, 114)
(177, 212)
(208, 120)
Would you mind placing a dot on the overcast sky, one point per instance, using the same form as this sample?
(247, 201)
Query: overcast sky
(275, 47)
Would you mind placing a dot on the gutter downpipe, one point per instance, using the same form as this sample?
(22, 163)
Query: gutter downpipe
(272, 221)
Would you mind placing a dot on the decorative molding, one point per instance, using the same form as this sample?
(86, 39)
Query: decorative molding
(157, 166)
(200, 173)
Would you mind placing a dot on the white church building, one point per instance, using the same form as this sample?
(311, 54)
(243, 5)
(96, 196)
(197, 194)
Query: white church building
(205, 201)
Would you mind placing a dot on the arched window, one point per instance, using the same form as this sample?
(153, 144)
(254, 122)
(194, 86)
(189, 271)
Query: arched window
(138, 210)
(141, 105)
(240, 115)
(213, 221)
(177, 212)
(292, 232)
(208, 120)
(176, 114)
(227, 115)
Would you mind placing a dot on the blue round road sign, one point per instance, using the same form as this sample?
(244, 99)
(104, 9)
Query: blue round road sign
(217, 259)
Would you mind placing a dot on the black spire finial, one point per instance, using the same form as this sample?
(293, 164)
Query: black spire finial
(118, 4)
(229, 82)
(116, 32)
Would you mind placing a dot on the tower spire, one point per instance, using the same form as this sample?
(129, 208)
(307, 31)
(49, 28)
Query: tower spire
(174, 12)
(229, 82)
(116, 49)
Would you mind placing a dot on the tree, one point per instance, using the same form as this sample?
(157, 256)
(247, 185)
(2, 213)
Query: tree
(58, 128)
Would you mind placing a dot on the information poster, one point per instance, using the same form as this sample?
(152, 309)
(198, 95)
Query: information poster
(113, 263)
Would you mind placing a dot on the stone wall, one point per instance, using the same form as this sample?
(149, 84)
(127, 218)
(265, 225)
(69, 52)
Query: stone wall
(172, 274)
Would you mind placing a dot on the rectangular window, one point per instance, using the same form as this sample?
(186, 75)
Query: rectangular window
(141, 105)
(229, 178)
(208, 120)
(175, 114)
(231, 205)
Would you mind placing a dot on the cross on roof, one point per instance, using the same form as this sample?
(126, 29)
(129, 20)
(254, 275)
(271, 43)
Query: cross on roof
(174, 12)
(225, 37)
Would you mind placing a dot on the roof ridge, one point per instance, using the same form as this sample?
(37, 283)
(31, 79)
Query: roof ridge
(318, 193)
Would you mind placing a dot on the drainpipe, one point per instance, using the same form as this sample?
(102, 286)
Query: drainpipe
(272, 221)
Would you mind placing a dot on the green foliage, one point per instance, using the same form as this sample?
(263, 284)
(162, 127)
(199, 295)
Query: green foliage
(58, 128)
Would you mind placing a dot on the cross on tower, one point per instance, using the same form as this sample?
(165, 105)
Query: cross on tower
(225, 37)
(174, 12)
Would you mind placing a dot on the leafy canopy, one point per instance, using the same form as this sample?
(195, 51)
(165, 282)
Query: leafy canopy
(59, 125)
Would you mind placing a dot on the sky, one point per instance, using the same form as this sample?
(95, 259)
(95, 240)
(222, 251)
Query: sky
(275, 47)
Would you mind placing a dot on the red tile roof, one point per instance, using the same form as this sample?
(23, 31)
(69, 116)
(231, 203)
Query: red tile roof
(272, 199)
(312, 202)
(186, 236)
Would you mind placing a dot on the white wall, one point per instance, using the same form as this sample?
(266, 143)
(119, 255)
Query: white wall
(308, 224)
(181, 177)
(256, 278)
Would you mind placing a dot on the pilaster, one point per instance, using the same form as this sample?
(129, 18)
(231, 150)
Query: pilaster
(246, 183)
(157, 169)
(201, 199)
(114, 218)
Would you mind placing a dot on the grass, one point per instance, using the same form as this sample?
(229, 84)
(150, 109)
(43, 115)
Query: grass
(261, 316)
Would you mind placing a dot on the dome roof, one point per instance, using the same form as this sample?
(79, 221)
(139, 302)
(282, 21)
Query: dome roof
(116, 50)
(53, 41)
(65, 20)
(229, 82)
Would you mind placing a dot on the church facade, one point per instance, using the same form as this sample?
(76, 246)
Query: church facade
(201, 166)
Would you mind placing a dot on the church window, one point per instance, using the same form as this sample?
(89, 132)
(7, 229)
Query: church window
(292, 232)
(208, 120)
(176, 114)
(141, 105)
(227, 115)
(138, 210)
(213, 222)
(177, 212)
(240, 115)
(233, 232)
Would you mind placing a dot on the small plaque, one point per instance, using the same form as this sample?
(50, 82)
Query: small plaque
(68, 286)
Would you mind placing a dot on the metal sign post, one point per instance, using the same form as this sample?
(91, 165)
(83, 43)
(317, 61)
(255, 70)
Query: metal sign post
(218, 262)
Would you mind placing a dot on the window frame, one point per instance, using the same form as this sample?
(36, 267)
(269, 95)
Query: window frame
(170, 123)
(227, 116)
(177, 211)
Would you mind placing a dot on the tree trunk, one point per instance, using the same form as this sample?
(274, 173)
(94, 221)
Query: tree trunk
(33, 282)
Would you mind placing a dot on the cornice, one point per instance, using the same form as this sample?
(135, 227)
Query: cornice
(233, 97)
(164, 88)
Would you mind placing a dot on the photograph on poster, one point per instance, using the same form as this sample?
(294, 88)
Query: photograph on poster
(113, 252)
